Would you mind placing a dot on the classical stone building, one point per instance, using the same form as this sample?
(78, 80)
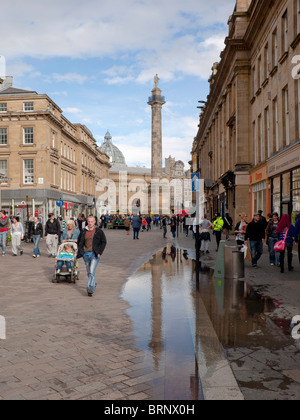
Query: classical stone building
(130, 188)
(247, 148)
(45, 157)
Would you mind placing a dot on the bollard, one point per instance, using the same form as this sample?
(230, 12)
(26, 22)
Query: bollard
(234, 263)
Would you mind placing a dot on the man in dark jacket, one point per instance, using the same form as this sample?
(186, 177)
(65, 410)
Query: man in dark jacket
(92, 243)
(52, 231)
(255, 232)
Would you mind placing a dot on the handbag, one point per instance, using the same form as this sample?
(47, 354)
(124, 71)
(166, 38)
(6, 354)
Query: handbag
(280, 246)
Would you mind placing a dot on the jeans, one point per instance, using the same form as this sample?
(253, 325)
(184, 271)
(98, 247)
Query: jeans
(256, 251)
(289, 248)
(91, 263)
(136, 233)
(60, 264)
(274, 256)
(3, 237)
(36, 241)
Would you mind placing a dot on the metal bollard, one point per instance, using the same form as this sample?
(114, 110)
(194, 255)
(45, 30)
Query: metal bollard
(234, 263)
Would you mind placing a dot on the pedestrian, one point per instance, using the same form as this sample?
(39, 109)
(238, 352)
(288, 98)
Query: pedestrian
(228, 222)
(52, 231)
(149, 221)
(67, 254)
(272, 238)
(70, 233)
(240, 230)
(297, 234)
(164, 223)
(173, 226)
(205, 225)
(217, 226)
(185, 225)
(255, 232)
(5, 225)
(144, 224)
(127, 225)
(91, 246)
(17, 234)
(286, 231)
(263, 219)
(36, 233)
(136, 226)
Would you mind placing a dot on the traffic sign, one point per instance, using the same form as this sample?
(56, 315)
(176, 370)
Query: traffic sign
(59, 203)
(195, 182)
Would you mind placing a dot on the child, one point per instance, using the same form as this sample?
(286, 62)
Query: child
(67, 253)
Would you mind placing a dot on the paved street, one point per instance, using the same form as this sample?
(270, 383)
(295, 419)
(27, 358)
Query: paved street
(62, 344)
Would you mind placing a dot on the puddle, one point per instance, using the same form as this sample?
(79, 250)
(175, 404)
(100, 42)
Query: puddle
(167, 309)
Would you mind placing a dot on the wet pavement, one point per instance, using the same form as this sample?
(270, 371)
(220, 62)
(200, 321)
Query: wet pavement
(165, 304)
(149, 332)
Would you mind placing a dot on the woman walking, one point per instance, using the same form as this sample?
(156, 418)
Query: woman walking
(205, 235)
(271, 238)
(240, 230)
(17, 234)
(286, 231)
(36, 234)
(70, 233)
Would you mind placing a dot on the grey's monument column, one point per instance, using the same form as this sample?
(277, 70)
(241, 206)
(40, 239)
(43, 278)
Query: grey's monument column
(156, 101)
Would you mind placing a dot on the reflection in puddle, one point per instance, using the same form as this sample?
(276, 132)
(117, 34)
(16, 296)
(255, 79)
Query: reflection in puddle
(167, 308)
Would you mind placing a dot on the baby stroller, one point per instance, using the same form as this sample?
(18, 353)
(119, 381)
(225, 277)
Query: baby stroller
(71, 275)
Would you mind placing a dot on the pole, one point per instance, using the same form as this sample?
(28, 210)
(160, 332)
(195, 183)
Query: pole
(197, 244)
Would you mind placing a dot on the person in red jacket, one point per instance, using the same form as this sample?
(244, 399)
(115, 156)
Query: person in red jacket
(4, 228)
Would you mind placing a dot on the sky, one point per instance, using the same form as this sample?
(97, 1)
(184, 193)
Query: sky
(97, 61)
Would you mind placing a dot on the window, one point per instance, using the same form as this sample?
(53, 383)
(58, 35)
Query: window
(276, 124)
(28, 106)
(3, 136)
(3, 169)
(267, 132)
(3, 107)
(28, 135)
(284, 35)
(298, 106)
(286, 120)
(28, 171)
(255, 143)
(266, 62)
(274, 48)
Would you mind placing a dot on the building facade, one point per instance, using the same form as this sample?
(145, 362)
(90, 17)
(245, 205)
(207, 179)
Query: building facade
(45, 158)
(247, 148)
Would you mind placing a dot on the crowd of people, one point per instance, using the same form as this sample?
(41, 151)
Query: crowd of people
(91, 240)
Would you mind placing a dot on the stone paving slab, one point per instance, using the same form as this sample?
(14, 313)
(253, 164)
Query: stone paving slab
(63, 345)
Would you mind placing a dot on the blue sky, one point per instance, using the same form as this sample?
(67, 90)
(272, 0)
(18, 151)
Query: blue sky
(97, 60)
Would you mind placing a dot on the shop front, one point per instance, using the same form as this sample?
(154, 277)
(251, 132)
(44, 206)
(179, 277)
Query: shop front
(260, 190)
(284, 174)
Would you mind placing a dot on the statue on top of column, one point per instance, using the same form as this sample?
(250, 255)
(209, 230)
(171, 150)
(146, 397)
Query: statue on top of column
(156, 80)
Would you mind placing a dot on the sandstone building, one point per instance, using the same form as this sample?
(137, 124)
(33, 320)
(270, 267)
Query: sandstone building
(247, 148)
(45, 157)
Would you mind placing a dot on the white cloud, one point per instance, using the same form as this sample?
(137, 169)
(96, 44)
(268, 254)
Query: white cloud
(167, 32)
(69, 78)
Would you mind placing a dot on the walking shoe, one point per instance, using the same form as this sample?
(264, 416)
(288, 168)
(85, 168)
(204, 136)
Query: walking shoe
(89, 292)
(57, 271)
(21, 252)
(50, 256)
(34, 256)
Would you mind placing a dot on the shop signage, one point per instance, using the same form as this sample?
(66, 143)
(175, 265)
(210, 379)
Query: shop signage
(284, 162)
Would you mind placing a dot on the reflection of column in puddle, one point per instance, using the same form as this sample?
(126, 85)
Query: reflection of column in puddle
(156, 343)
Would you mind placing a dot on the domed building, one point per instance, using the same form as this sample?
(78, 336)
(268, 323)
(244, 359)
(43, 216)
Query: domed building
(130, 183)
(115, 155)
